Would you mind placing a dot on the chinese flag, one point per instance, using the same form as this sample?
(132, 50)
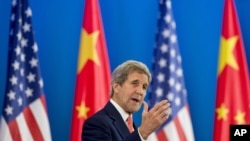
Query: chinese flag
(93, 73)
(233, 86)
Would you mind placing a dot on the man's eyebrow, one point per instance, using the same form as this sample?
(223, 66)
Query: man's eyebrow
(134, 81)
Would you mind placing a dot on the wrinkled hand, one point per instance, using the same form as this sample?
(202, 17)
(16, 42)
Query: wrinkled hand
(153, 119)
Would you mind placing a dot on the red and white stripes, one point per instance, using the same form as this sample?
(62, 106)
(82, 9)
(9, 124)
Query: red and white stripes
(31, 124)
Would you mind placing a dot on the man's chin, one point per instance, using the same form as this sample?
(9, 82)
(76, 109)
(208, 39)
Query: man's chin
(133, 110)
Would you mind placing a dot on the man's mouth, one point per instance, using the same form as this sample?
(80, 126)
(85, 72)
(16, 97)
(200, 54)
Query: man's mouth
(135, 100)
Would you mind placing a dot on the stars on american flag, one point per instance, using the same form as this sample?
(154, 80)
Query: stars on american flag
(24, 115)
(24, 84)
(168, 82)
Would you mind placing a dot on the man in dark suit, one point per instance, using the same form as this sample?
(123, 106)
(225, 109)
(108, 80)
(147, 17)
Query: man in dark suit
(130, 81)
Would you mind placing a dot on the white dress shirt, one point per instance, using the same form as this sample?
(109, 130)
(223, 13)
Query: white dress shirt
(123, 114)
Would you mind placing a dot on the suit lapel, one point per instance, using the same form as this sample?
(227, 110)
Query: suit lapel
(118, 122)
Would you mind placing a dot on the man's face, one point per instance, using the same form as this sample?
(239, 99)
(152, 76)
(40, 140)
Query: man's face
(131, 93)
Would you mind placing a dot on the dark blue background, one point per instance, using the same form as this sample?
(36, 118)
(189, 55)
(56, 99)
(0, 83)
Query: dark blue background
(130, 27)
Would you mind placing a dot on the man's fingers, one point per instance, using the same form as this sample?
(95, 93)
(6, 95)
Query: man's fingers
(164, 108)
(165, 112)
(160, 104)
(161, 110)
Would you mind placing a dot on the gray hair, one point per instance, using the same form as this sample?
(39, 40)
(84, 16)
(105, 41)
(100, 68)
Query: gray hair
(122, 71)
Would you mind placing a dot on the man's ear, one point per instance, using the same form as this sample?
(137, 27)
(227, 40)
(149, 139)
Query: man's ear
(116, 87)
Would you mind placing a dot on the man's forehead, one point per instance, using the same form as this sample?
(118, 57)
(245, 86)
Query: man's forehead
(138, 77)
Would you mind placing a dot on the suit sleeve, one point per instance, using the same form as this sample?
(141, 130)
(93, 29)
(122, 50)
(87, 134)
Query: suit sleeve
(95, 130)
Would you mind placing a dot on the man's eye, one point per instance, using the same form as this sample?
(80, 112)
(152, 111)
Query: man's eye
(134, 83)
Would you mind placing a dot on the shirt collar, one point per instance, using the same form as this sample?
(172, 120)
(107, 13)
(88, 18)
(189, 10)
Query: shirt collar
(120, 110)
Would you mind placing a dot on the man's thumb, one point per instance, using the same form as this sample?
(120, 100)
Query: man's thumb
(145, 107)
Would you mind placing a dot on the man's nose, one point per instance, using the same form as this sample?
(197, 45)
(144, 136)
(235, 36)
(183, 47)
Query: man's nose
(140, 90)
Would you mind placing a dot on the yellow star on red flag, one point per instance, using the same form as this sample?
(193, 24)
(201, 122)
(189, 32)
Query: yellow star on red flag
(226, 53)
(88, 49)
(240, 117)
(233, 91)
(82, 110)
(222, 112)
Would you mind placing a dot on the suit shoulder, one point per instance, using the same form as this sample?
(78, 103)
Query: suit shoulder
(98, 116)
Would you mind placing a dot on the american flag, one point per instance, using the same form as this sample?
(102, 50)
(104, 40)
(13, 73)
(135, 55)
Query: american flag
(168, 81)
(24, 116)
